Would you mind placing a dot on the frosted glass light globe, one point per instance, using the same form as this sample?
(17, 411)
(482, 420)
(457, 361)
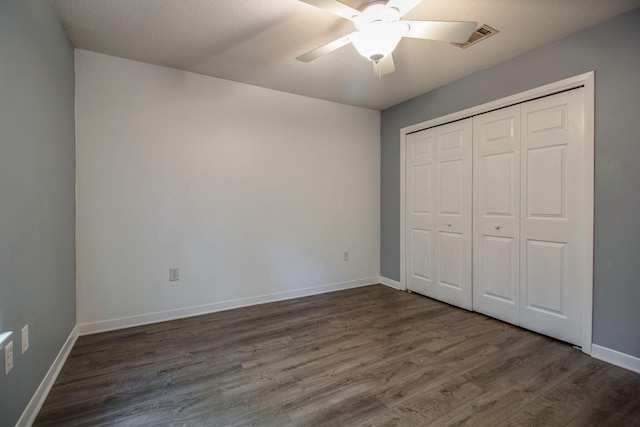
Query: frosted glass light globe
(377, 40)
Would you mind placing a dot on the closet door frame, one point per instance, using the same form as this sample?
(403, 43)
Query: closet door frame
(586, 80)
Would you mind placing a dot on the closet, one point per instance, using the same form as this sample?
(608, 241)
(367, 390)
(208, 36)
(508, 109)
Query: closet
(494, 218)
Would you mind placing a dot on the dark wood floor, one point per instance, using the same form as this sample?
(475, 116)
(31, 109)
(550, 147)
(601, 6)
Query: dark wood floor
(371, 356)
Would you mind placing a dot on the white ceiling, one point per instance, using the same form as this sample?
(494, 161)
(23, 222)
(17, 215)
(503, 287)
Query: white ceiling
(257, 41)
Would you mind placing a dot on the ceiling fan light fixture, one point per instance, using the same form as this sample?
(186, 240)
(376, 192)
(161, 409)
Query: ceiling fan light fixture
(378, 40)
(379, 28)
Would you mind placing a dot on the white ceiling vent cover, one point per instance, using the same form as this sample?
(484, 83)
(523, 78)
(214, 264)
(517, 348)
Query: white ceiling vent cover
(482, 32)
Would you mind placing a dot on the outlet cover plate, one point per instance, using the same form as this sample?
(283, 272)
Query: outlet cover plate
(8, 357)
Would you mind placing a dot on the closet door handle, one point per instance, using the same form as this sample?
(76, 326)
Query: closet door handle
(448, 224)
(497, 226)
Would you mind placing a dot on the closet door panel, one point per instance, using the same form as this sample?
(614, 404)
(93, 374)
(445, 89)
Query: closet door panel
(453, 213)
(420, 177)
(546, 277)
(496, 186)
(451, 257)
(422, 256)
(451, 176)
(546, 182)
(498, 268)
(552, 262)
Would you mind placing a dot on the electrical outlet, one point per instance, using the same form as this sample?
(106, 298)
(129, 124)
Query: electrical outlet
(25, 339)
(174, 274)
(346, 255)
(8, 357)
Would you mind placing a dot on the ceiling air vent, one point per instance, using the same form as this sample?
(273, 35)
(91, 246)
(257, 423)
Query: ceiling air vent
(482, 32)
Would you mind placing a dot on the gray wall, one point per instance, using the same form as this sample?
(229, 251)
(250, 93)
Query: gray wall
(37, 194)
(612, 49)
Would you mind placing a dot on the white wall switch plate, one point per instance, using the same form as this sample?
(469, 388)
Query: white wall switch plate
(25, 338)
(8, 357)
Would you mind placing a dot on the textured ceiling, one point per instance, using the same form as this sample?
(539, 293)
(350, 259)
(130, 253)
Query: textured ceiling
(257, 41)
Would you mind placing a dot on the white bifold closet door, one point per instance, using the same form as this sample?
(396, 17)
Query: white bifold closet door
(529, 260)
(496, 214)
(438, 215)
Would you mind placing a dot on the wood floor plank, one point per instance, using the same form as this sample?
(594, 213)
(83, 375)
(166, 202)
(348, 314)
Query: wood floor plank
(438, 401)
(561, 404)
(508, 390)
(369, 356)
(616, 403)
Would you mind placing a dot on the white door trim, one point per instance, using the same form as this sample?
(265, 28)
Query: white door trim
(588, 81)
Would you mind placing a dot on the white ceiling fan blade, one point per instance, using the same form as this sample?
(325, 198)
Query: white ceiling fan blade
(384, 66)
(404, 6)
(323, 50)
(335, 7)
(446, 31)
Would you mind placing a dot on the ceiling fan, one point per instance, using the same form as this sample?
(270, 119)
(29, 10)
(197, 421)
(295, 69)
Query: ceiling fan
(379, 30)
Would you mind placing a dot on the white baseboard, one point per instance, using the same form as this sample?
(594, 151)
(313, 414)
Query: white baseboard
(35, 404)
(614, 357)
(146, 319)
(391, 283)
